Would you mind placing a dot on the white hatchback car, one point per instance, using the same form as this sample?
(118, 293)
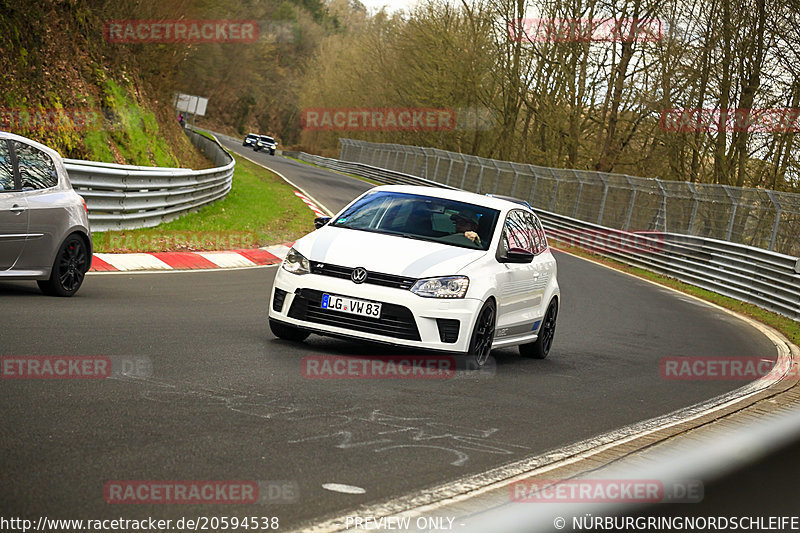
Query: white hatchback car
(423, 267)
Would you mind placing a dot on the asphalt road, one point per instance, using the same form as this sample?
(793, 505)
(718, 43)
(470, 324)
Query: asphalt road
(225, 400)
(329, 188)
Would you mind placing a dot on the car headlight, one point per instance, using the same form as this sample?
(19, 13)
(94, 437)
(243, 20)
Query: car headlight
(296, 263)
(445, 287)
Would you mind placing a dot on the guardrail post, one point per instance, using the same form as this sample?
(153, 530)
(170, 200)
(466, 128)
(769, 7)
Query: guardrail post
(466, 167)
(436, 169)
(694, 208)
(778, 212)
(514, 183)
(427, 156)
(532, 195)
(555, 191)
(631, 204)
(735, 204)
(603, 200)
(480, 179)
(662, 207)
(578, 197)
(449, 172)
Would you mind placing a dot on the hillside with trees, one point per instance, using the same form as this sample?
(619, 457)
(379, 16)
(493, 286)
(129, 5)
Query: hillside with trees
(703, 91)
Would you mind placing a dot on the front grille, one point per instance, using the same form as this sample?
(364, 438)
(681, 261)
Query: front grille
(277, 301)
(448, 329)
(395, 321)
(375, 278)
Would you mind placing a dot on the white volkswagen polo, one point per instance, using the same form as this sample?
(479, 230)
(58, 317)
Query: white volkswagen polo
(423, 267)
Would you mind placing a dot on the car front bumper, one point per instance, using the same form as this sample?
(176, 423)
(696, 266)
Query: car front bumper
(406, 319)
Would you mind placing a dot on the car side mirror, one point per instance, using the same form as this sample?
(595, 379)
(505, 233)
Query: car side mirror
(321, 221)
(517, 255)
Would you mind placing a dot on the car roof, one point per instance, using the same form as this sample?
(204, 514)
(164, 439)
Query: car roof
(452, 194)
(513, 199)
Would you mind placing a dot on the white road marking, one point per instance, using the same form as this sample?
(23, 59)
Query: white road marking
(344, 489)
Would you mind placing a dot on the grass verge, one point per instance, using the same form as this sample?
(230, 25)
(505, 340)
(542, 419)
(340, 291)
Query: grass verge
(787, 326)
(260, 209)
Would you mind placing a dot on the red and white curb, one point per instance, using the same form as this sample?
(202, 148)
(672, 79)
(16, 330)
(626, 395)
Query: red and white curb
(310, 204)
(157, 261)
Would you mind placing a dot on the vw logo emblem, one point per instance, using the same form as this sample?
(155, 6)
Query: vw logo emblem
(359, 275)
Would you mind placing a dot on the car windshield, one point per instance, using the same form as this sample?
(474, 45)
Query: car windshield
(268, 139)
(422, 217)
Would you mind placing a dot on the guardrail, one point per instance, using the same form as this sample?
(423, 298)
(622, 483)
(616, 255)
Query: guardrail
(768, 279)
(129, 197)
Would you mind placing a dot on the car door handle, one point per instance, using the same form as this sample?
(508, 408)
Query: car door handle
(17, 209)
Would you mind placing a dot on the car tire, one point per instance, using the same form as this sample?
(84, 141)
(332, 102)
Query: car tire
(69, 268)
(540, 348)
(272, 152)
(480, 344)
(287, 332)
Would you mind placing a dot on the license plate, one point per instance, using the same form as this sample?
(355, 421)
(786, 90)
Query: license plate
(351, 305)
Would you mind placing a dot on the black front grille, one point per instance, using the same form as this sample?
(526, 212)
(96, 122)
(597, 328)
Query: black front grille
(448, 329)
(375, 278)
(277, 301)
(395, 321)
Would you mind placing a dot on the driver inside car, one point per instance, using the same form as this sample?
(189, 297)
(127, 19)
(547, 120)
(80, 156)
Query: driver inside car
(467, 224)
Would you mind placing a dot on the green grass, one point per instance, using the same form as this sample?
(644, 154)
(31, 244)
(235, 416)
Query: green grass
(261, 209)
(134, 129)
(790, 328)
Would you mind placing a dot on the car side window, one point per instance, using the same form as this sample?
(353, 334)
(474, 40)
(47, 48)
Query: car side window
(36, 168)
(537, 234)
(6, 168)
(539, 237)
(517, 232)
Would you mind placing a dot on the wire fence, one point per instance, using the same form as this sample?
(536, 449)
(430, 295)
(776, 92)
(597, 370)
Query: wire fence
(755, 217)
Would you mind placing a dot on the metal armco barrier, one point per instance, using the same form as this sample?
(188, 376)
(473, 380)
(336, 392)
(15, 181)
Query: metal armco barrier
(129, 197)
(761, 277)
